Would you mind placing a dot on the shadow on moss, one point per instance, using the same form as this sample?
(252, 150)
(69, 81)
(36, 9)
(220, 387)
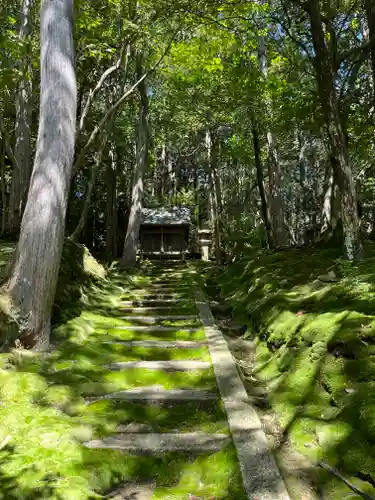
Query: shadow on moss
(45, 418)
(312, 317)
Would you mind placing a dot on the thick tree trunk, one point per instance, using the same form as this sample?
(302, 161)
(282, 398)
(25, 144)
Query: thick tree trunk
(21, 174)
(129, 256)
(336, 138)
(38, 254)
(111, 208)
(260, 182)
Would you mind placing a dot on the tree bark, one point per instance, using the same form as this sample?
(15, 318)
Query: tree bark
(21, 174)
(328, 200)
(260, 182)
(280, 235)
(335, 135)
(370, 14)
(171, 175)
(211, 147)
(163, 172)
(33, 280)
(132, 234)
(111, 208)
(90, 187)
(3, 188)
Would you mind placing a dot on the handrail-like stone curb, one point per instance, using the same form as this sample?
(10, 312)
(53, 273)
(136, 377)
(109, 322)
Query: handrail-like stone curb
(261, 476)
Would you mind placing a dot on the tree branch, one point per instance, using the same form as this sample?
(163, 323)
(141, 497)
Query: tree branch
(99, 85)
(98, 128)
(340, 476)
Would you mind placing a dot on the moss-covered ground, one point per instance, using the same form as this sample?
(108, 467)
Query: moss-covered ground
(311, 318)
(45, 419)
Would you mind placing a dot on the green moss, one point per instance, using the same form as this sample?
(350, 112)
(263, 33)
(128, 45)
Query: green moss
(315, 350)
(93, 381)
(182, 417)
(128, 334)
(45, 419)
(108, 353)
(175, 475)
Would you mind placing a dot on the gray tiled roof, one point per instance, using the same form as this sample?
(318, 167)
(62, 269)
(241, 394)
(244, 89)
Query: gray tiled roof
(166, 216)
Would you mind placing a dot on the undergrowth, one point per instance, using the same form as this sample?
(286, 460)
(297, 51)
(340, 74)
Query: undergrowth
(312, 319)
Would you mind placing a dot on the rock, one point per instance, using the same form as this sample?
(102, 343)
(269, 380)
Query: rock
(330, 277)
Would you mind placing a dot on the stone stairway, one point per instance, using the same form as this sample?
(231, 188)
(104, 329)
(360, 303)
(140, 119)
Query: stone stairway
(162, 312)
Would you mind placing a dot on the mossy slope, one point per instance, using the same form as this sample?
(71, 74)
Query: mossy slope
(315, 350)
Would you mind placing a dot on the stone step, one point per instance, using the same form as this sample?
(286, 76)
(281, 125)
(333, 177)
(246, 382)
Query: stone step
(132, 490)
(153, 443)
(144, 302)
(159, 344)
(141, 309)
(154, 319)
(164, 290)
(157, 393)
(164, 296)
(167, 366)
(180, 284)
(156, 328)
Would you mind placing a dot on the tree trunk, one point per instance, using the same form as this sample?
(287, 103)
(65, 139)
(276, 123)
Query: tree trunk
(260, 181)
(328, 200)
(111, 208)
(163, 172)
(21, 174)
(280, 235)
(172, 191)
(33, 280)
(89, 190)
(370, 13)
(335, 135)
(129, 256)
(276, 205)
(211, 147)
(3, 188)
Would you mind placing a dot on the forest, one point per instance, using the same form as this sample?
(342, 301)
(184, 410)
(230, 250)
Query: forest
(259, 117)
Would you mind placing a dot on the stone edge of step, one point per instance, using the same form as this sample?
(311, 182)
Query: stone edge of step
(167, 366)
(189, 442)
(260, 473)
(159, 344)
(158, 328)
(156, 393)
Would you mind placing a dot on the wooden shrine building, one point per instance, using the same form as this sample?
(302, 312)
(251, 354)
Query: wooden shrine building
(164, 232)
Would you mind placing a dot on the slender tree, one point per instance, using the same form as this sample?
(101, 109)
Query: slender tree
(279, 234)
(22, 171)
(260, 182)
(132, 233)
